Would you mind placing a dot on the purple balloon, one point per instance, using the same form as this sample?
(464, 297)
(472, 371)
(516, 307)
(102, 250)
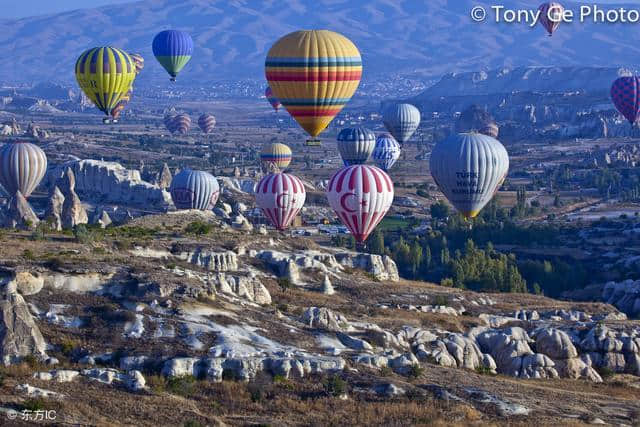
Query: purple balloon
(625, 94)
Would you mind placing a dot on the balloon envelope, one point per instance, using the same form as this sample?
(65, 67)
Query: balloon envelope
(401, 120)
(314, 74)
(275, 103)
(476, 119)
(281, 197)
(207, 123)
(192, 189)
(22, 167)
(551, 14)
(181, 123)
(105, 75)
(172, 49)
(138, 61)
(360, 195)
(625, 94)
(469, 168)
(356, 145)
(386, 152)
(275, 156)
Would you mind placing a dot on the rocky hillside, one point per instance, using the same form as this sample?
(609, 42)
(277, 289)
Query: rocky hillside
(237, 327)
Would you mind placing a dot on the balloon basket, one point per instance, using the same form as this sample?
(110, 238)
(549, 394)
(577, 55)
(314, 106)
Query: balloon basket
(172, 79)
(106, 121)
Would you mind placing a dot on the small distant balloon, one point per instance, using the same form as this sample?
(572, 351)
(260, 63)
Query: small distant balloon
(401, 120)
(22, 167)
(551, 15)
(207, 122)
(275, 157)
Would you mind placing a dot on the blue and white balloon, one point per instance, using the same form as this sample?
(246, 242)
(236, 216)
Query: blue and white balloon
(192, 189)
(356, 145)
(387, 151)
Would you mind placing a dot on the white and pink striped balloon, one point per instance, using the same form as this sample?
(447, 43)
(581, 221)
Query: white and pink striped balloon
(361, 195)
(281, 197)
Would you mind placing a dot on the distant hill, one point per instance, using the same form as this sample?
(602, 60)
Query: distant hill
(525, 79)
(427, 38)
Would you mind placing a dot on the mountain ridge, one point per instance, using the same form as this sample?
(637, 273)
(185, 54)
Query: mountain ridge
(232, 38)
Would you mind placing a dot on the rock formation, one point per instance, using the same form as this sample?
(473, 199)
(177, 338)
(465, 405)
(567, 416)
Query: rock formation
(164, 180)
(73, 213)
(53, 213)
(20, 214)
(19, 334)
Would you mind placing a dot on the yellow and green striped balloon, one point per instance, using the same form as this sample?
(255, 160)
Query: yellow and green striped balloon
(313, 73)
(105, 75)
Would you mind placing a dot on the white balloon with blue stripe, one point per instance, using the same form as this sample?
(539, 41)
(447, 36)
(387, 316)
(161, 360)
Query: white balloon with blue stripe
(387, 151)
(356, 145)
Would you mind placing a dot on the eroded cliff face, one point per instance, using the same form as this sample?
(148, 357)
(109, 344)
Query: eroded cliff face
(109, 182)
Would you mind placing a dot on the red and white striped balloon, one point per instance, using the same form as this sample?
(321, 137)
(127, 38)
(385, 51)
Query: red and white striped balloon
(361, 195)
(280, 196)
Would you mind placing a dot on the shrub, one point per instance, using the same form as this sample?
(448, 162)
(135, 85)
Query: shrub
(335, 386)
(82, 234)
(67, 347)
(441, 299)
(157, 383)
(605, 372)
(198, 228)
(184, 386)
(192, 423)
(415, 371)
(28, 254)
(447, 281)
(483, 370)
(284, 284)
(33, 405)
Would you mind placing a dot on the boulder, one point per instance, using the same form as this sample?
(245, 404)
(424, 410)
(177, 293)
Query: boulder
(211, 260)
(382, 267)
(555, 344)
(323, 318)
(27, 283)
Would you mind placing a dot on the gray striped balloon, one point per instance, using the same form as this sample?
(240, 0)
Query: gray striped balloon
(401, 120)
(387, 152)
(194, 190)
(22, 167)
(469, 168)
(356, 145)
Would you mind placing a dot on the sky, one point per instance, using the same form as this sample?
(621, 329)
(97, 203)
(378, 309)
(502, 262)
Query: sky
(14, 9)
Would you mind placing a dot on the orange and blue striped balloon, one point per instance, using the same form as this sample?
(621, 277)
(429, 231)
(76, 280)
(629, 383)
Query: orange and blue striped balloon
(314, 74)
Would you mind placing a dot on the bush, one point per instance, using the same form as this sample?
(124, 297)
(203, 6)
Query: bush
(284, 284)
(184, 386)
(34, 405)
(198, 228)
(415, 371)
(67, 347)
(441, 299)
(605, 372)
(82, 234)
(483, 370)
(447, 281)
(28, 254)
(335, 386)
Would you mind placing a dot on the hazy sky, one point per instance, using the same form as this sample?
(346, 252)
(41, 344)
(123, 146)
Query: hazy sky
(22, 8)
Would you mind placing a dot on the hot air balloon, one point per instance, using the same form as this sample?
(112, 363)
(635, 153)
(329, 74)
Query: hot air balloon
(476, 119)
(268, 93)
(169, 120)
(625, 94)
(401, 120)
(314, 74)
(138, 61)
(115, 112)
(181, 124)
(356, 145)
(469, 168)
(551, 15)
(360, 195)
(387, 151)
(280, 196)
(207, 122)
(105, 75)
(191, 189)
(173, 50)
(275, 157)
(22, 167)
